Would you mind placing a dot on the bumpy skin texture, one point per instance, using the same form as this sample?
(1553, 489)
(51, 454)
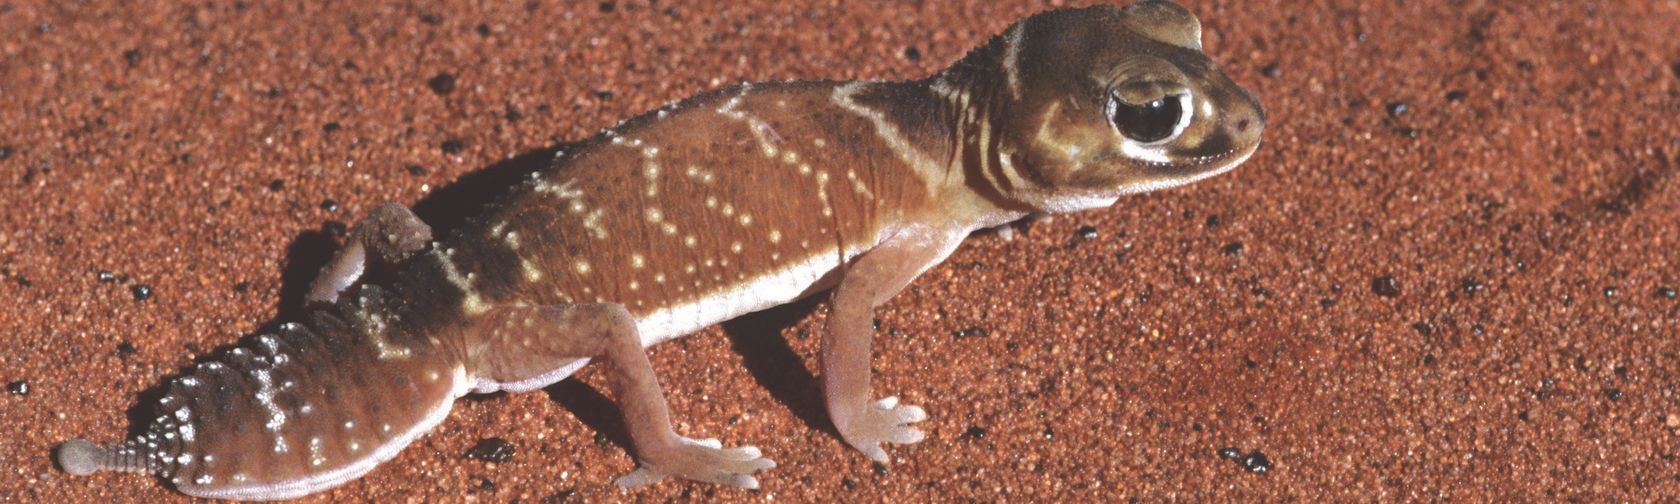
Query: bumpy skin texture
(720, 205)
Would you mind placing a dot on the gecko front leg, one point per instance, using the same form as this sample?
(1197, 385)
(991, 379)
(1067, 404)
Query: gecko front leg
(875, 276)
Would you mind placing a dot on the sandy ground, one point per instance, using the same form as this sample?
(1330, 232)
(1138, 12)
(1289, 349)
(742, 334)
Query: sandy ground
(1448, 274)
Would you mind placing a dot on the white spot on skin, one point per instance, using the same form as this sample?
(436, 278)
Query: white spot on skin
(532, 274)
(735, 247)
(654, 215)
(690, 241)
(775, 236)
(637, 261)
(581, 266)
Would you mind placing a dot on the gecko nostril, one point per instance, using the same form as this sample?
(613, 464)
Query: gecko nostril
(1242, 125)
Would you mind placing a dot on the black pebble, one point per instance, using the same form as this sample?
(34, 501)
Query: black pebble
(970, 332)
(1408, 132)
(482, 29)
(336, 229)
(487, 484)
(1232, 248)
(1229, 452)
(608, 6)
(141, 292)
(975, 432)
(276, 185)
(492, 449)
(912, 53)
(604, 95)
(1087, 232)
(1385, 286)
(1667, 292)
(331, 127)
(132, 56)
(1610, 292)
(416, 170)
(18, 388)
(126, 349)
(442, 83)
(106, 277)
(1396, 109)
(1457, 95)
(329, 205)
(451, 146)
(1613, 393)
(1271, 71)
(1256, 463)
(5, 151)
(1471, 285)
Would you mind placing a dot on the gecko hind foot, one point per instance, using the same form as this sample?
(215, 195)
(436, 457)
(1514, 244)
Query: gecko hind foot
(704, 460)
(884, 421)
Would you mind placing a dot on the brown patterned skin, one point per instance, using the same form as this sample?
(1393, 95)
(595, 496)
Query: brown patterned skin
(723, 204)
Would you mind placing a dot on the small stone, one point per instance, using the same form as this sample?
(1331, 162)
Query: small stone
(1257, 463)
(912, 53)
(442, 83)
(105, 276)
(1229, 452)
(1271, 71)
(1385, 286)
(1457, 95)
(493, 449)
(1232, 248)
(1396, 109)
(276, 185)
(451, 146)
(18, 388)
(329, 205)
(141, 292)
(1087, 232)
(1667, 292)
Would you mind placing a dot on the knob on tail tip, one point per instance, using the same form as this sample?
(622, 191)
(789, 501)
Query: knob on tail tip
(80, 457)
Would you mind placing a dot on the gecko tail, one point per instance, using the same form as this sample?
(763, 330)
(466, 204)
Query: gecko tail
(305, 408)
(80, 457)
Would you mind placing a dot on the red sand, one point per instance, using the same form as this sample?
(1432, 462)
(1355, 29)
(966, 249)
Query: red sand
(1524, 203)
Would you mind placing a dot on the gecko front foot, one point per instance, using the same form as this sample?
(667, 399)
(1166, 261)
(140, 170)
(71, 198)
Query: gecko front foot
(700, 460)
(884, 421)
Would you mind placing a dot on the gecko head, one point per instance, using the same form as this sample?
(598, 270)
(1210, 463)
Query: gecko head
(1101, 102)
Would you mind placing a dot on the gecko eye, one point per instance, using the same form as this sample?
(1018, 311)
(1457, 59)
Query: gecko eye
(1154, 121)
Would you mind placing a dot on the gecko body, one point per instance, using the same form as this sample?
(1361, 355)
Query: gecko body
(723, 204)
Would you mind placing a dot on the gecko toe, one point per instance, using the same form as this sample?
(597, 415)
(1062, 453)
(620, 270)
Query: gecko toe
(638, 477)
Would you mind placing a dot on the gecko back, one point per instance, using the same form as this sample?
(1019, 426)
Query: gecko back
(309, 407)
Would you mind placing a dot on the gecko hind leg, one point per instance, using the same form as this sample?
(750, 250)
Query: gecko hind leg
(391, 232)
(519, 343)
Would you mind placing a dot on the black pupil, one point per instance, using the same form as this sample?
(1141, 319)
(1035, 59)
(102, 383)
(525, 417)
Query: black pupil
(1150, 122)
